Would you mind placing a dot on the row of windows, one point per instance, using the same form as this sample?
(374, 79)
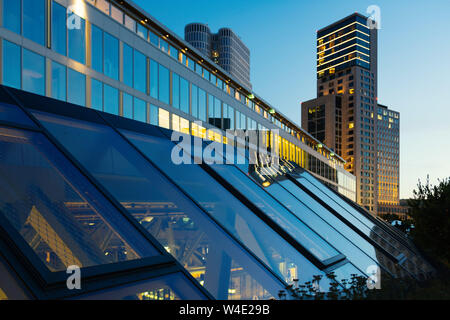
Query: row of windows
(26, 69)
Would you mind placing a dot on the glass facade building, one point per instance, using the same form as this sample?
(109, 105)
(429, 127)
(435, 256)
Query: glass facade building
(111, 56)
(388, 149)
(347, 90)
(142, 227)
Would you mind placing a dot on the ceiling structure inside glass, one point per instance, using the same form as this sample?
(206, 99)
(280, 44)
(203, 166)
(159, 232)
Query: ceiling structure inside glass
(85, 188)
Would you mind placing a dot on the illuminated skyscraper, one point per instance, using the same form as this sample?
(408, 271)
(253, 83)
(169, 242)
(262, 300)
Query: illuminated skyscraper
(347, 68)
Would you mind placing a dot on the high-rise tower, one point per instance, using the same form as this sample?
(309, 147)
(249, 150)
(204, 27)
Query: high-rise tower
(347, 68)
(224, 47)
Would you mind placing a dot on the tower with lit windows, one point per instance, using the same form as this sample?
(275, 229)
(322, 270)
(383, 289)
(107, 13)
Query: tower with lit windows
(347, 69)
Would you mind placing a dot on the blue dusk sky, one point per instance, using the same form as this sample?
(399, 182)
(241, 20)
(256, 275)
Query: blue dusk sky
(413, 65)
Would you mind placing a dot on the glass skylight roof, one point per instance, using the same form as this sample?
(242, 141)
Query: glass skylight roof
(80, 187)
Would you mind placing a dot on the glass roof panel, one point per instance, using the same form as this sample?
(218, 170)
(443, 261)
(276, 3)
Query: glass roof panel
(211, 256)
(169, 287)
(57, 212)
(12, 113)
(290, 223)
(263, 241)
(372, 230)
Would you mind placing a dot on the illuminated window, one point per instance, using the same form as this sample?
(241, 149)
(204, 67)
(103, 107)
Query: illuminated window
(164, 118)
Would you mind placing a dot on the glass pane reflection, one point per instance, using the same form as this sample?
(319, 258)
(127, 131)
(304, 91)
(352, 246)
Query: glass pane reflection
(63, 219)
(185, 231)
(168, 287)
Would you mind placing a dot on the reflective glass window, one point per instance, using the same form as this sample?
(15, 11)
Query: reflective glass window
(232, 214)
(97, 48)
(154, 39)
(363, 261)
(11, 288)
(140, 110)
(173, 52)
(140, 71)
(164, 84)
(168, 287)
(77, 39)
(207, 252)
(11, 65)
(153, 79)
(154, 115)
(184, 95)
(127, 65)
(111, 56)
(33, 72)
(96, 94)
(127, 105)
(56, 211)
(59, 28)
(141, 31)
(34, 20)
(201, 104)
(76, 87)
(194, 101)
(111, 99)
(12, 15)
(59, 76)
(163, 45)
(284, 218)
(175, 90)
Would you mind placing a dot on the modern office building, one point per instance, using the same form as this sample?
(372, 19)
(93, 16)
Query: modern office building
(86, 188)
(92, 93)
(112, 56)
(224, 47)
(347, 68)
(388, 159)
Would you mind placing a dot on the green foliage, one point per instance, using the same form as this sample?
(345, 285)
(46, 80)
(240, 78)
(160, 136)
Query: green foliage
(356, 289)
(431, 218)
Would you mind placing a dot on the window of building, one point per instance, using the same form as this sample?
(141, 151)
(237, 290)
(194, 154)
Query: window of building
(140, 110)
(97, 49)
(111, 56)
(164, 118)
(33, 72)
(141, 31)
(58, 81)
(127, 106)
(76, 87)
(194, 101)
(140, 72)
(12, 15)
(175, 90)
(77, 42)
(154, 39)
(201, 104)
(59, 28)
(96, 95)
(184, 95)
(130, 23)
(127, 65)
(164, 84)
(111, 100)
(154, 115)
(11, 65)
(34, 20)
(153, 79)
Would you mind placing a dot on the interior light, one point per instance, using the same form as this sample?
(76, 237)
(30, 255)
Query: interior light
(272, 111)
(265, 184)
